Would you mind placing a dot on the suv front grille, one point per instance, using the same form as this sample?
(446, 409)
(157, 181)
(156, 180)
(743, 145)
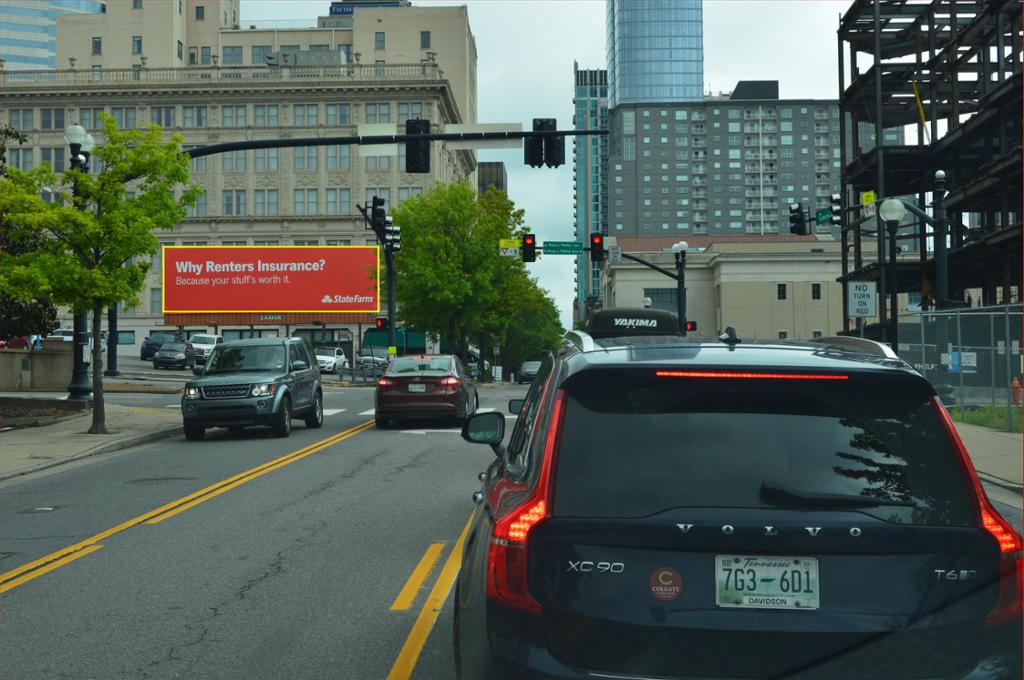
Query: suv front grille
(225, 391)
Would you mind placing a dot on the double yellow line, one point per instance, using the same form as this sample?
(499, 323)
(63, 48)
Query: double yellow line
(27, 572)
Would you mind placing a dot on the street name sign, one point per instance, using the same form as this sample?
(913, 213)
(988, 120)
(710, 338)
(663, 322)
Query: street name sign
(823, 216)
(562, 248)
(861, 298)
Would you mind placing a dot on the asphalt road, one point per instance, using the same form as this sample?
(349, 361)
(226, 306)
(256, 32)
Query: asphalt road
(292, 573)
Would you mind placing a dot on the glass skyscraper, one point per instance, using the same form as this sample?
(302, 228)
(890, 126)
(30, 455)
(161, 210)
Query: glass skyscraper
(590, 175)
(28, 31)
(655, 51)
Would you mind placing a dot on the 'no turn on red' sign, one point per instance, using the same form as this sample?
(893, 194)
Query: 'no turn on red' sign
(861, 298)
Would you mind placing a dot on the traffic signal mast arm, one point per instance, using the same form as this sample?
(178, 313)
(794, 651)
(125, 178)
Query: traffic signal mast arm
(200, 151)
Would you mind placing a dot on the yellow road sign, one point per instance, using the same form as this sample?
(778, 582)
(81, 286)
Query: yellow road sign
(508, 243)
(867, 197)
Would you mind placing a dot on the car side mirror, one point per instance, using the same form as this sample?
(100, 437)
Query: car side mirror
(196, 370)
(486, 428)
(515, 406)
(298, 365)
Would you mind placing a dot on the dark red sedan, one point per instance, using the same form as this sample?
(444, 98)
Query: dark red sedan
(424, 387)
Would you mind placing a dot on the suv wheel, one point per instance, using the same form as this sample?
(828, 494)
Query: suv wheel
(194, 433)
(282, 424)
(315, 417)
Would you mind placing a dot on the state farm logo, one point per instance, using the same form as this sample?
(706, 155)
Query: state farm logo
(327, 298)
(636, 323)
(666, 584)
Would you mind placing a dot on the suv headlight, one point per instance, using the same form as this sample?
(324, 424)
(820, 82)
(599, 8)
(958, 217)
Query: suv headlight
(264, 390)
(191, 392)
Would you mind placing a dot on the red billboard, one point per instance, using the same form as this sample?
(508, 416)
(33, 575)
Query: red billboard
(271, 279)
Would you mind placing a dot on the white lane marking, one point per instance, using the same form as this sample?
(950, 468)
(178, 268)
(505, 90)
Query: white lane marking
(368, 413)
(485, 410)
(173, 406)
(430, 431)
(333, 411)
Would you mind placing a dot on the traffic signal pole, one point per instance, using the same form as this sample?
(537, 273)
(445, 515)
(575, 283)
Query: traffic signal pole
(389, 258)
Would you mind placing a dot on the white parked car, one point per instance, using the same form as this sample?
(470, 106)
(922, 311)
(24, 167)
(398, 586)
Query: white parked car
(203, 344)
(331, 359)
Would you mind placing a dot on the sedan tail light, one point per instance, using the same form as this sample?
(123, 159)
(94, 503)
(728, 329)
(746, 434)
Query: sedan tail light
(1011, 586)
(507, 558)
(449, 381)
(386, 382)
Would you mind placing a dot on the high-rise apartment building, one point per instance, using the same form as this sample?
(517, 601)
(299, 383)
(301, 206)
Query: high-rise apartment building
(726, 165)
(186, 66)
(589, 166)
(491, 172)
(655, 51)
(28, 30)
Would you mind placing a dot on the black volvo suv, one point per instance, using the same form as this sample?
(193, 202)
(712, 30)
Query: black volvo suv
(668, 509)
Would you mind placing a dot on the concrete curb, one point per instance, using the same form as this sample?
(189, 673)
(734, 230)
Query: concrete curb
(1007, 484)
(107, 447)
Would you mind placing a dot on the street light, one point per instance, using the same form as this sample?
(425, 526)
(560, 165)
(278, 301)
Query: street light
(81, 145)
(892, 211)
(679, 249)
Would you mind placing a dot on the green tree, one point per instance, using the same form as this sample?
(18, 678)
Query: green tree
(93, 250)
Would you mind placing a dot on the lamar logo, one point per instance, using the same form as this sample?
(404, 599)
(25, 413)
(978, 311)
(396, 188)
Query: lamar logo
(636, 323)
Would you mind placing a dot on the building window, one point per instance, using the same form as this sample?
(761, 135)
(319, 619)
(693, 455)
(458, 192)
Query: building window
(156, 300)
(200, 13)
(781, 291)
(305, 202)
(163, 116)
(266, 201)
(260, 54)
(90, 118)
(337, 114)
(21, 119)
(136, 4)
(20, 158)
(305, 114)
(319, 48)
(339, 157)
(52, 119)
(379, 192)
(97, 46)
(305, 157)
(199, 209)
(193, 56)
(378, 40)
(783, 335)
(232, 54)
(204, 55)
(378, 162)
(266, 160)
(816, 334)
(54, 157)
(339, 201)
(124, 116)
(265, 115)
(815, 291)
(136, 44)
(306, 242)
(424, 40)
(181, 51)
(409, 111)
(233, 116)
(662, 298)
(409, 192)
(234, 203)
(198, 164)
(233, 161)
(193, 116)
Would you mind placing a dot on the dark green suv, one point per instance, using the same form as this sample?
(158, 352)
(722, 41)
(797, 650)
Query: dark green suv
(266, 382)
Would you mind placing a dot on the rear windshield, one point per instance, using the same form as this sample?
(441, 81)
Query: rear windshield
(531, 365)
(417, 366)
(635, 444)
(326, 351)
(161, 337)
(203, 339)
(173, 347)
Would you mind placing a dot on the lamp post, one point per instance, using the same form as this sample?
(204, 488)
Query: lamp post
(81, 145)
(679, 249)
(892, 211)
(939, 230)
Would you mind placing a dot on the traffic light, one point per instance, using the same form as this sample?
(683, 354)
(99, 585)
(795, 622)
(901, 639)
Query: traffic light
(417, 154)
(596, 247)
(528, 247)
(797, 219)
(382, 323)
(392, 235)
(837, 210)
(690, 326)
(377, 214)
(533, 147)
(554, 146)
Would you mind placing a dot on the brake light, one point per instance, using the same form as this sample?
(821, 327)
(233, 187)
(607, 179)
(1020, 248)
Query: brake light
(751, 375)
(386, 382)
(1011, 585)
(507, 559)
(448, 381)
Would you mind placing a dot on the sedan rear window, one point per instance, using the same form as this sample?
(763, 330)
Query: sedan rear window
(173, 347)
(727, 442)
(161, 337)
(410, 366)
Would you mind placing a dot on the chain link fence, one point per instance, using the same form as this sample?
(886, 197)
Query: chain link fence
(972, 356)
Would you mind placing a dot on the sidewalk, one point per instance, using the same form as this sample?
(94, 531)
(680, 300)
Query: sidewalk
(34, 448)
(996, 455)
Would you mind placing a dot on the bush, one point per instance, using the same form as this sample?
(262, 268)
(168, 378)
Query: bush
(993, 416)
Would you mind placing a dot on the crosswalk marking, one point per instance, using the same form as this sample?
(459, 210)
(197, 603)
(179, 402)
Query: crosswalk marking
(333, 411)
(368, 413)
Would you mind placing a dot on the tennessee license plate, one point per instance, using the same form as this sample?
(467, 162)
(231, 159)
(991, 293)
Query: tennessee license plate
(417, 387)
(759, 582)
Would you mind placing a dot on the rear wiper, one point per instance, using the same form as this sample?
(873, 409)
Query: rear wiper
(777, 494)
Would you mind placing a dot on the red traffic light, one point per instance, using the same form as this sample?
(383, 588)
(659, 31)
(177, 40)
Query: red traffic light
(382, 323)
(690, 326)
(529, 239)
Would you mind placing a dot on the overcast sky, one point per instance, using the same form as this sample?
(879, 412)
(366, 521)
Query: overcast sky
(526, 49)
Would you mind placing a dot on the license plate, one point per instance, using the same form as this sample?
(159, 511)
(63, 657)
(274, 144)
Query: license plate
(417, 387)
(759, 582)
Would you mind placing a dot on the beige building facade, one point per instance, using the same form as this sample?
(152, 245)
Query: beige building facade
(306, 195)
